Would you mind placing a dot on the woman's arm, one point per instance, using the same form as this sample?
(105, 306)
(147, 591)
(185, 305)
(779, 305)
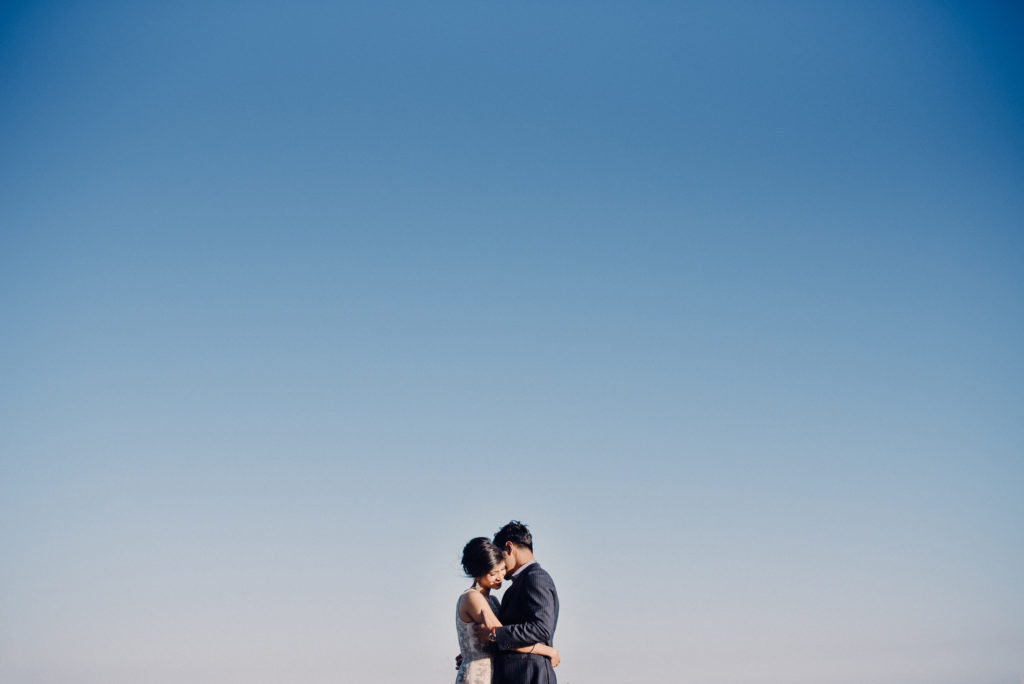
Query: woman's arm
(476, 608)
(541, 649)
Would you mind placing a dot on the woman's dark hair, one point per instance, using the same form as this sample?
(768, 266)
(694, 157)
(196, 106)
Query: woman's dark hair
(516, 533)
(480, 556)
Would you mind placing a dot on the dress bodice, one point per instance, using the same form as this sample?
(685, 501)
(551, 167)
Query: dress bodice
(476, 654)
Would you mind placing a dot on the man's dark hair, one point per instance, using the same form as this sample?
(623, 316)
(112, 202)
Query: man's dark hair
(516, 533)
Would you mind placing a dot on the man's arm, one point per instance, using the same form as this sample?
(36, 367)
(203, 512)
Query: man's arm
(539, 599)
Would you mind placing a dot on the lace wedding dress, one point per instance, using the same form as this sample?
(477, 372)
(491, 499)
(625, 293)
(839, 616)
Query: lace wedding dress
(477, 661)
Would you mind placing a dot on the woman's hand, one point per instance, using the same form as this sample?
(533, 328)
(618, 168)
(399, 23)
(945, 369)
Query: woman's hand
(555, 658)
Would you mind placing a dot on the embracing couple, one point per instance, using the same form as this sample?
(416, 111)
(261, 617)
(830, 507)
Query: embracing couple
(507, 642)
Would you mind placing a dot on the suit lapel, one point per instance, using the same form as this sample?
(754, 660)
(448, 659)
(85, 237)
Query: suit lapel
(508, 601)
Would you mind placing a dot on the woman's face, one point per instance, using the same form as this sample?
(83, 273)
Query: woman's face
(492, 580)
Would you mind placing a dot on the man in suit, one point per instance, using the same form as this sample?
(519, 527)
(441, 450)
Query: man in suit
(529, 611)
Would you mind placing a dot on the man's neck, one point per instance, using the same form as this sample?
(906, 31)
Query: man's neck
(522, 565)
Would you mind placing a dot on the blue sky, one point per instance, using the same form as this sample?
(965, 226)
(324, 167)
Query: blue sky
(724, 301)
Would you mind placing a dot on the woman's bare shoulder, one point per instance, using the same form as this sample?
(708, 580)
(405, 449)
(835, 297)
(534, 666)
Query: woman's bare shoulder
(474, 598)
(466, 607)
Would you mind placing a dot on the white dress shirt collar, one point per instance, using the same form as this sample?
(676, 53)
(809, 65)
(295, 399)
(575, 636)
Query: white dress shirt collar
(521, 568)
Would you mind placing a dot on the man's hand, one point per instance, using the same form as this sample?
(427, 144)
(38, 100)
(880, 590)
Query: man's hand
(555, 659)
(458, 661)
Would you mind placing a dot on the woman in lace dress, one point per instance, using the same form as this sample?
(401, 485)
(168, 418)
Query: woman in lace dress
(483, 562)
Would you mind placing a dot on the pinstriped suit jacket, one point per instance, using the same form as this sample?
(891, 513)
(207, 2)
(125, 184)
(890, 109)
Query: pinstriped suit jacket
(529, 611)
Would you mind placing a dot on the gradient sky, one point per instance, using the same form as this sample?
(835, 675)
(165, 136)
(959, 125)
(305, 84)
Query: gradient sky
(725, 300)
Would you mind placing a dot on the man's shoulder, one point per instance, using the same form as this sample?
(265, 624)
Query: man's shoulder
(534, 573)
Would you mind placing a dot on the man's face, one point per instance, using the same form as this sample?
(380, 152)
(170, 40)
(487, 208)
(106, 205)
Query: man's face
(508, 553)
